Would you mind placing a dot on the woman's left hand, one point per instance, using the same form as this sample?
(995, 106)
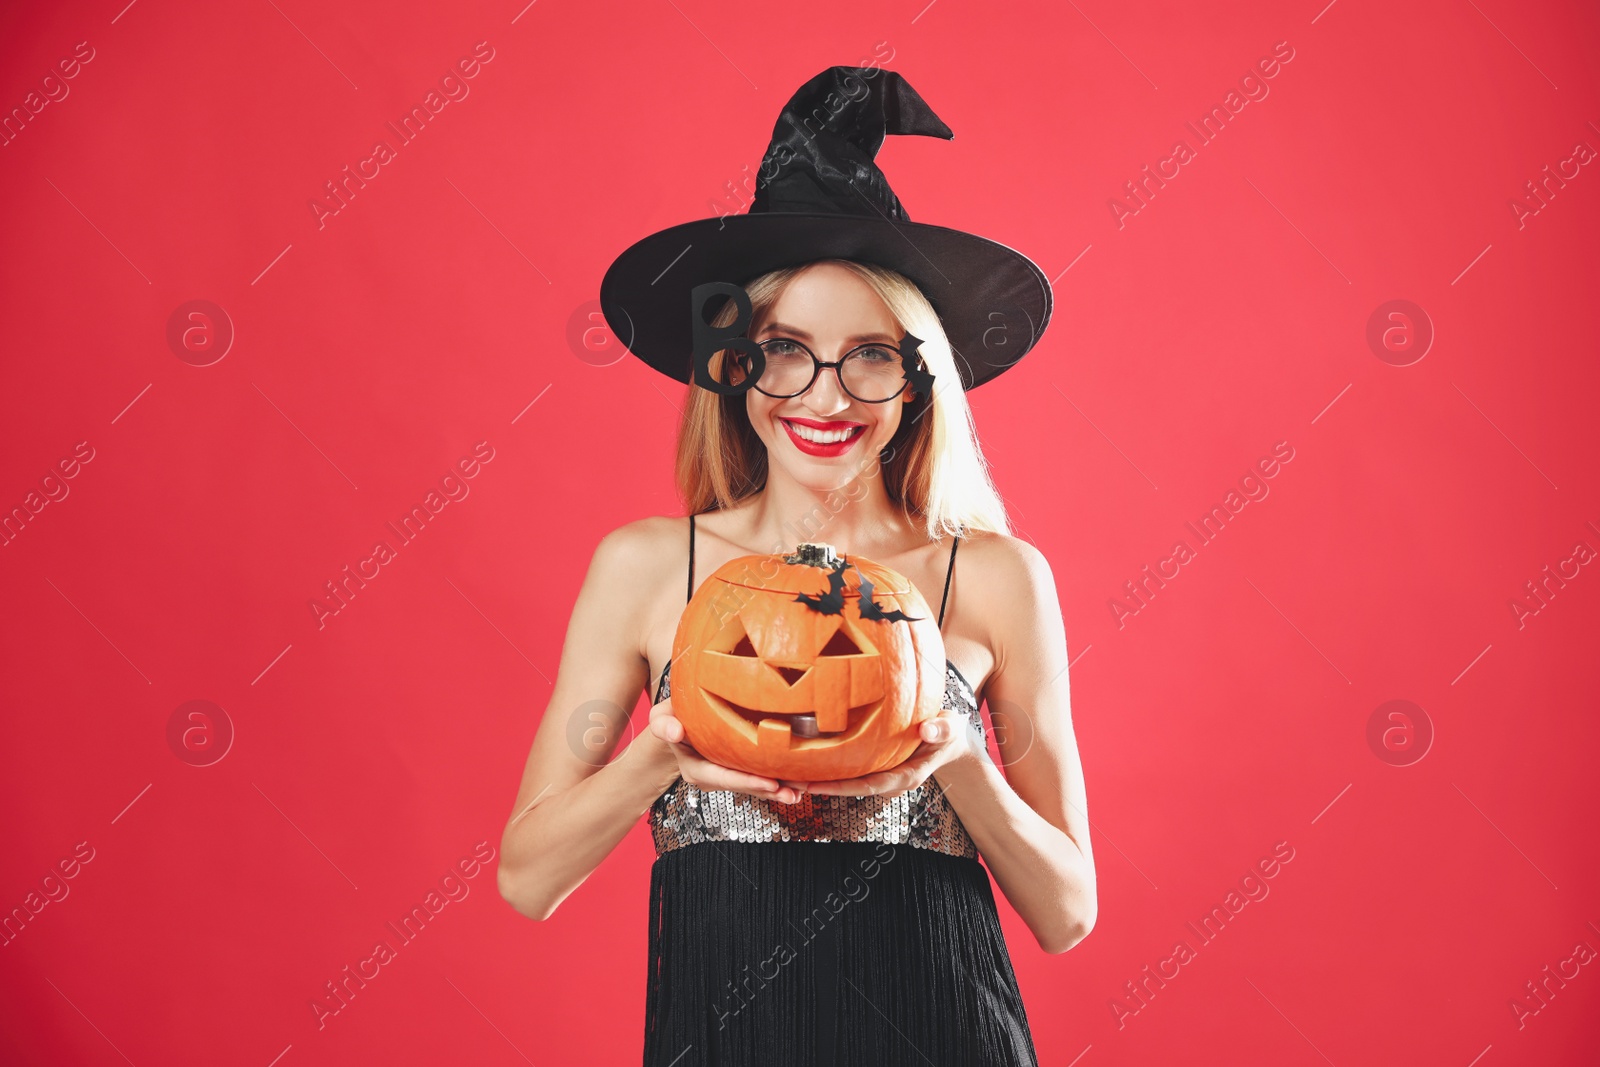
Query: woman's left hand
(946, 737)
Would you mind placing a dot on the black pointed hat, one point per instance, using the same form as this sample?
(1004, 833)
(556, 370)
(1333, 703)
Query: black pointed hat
(819, 195)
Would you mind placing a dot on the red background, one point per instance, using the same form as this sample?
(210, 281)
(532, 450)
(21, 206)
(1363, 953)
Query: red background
(1229, 714)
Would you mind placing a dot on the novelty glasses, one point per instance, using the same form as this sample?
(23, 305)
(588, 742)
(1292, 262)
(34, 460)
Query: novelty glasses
(871, 373)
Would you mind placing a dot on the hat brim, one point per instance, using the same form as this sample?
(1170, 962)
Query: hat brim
(993, 301)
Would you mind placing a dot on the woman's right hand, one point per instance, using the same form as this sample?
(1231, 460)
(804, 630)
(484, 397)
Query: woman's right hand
(701, 772)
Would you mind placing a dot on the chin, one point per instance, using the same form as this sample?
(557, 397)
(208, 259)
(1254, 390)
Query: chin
(824, 477)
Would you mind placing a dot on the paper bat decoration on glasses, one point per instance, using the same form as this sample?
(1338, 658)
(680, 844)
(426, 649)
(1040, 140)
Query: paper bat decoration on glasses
(709, 340)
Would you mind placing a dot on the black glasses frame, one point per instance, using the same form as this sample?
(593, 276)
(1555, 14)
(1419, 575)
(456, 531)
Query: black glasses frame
(817, 366)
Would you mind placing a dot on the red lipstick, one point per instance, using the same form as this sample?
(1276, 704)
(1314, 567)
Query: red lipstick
(828, 430)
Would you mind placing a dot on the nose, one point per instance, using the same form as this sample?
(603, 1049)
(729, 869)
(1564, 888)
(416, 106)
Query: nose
(826, 395)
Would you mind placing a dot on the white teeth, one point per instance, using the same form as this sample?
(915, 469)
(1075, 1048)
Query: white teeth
(821, 437)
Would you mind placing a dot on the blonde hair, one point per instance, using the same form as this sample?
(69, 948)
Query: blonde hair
(932, 468)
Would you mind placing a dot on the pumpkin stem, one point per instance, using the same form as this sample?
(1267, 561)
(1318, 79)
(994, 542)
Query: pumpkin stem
(814, 555)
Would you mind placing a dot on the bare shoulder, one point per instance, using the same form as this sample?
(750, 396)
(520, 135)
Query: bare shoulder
(1019, 609)
(636, 571)
(639, 555)
(1009, 566)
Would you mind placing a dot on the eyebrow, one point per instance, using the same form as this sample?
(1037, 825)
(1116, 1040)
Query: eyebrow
(778, 327)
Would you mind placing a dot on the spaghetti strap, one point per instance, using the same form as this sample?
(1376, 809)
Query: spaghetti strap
(691, 560)
(948, 572)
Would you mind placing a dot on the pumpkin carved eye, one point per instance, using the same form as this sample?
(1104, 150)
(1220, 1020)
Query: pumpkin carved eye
(787, 669)
(840, 645)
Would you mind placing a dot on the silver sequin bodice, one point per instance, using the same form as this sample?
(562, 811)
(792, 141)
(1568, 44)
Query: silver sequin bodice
(920, 817)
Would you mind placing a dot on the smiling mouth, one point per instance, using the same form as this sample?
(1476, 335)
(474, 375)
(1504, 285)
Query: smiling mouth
(813, 438)
(819, 436)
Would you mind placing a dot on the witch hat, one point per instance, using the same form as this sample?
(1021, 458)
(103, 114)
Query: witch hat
(820, 196)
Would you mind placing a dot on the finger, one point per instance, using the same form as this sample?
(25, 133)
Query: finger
(908, 780)
(783, 795)
(942, 727)
(721, 777)
(885, 784)
(766, 788)
(849, 787)
(667, 728)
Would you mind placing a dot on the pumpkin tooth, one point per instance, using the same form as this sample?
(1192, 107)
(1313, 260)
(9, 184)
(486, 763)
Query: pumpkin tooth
(772, 734)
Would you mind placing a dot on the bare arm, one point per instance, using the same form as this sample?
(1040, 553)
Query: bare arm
(1031, 824)
(573, 807)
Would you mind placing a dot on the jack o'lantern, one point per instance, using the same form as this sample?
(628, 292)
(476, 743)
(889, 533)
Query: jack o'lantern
(810, 666)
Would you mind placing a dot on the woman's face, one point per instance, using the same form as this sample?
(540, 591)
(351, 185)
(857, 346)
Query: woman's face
(825, 437)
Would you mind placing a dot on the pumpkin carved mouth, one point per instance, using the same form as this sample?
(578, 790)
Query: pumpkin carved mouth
(830, 697)
(799, 724)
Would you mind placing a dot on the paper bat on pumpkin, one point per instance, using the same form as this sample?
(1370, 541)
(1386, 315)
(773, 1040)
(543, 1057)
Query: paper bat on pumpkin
(870, 610)
(832, 602)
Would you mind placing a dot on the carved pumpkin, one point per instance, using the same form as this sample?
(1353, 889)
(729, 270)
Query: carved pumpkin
(810, 667)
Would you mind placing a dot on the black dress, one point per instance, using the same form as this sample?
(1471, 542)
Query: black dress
(835, 931)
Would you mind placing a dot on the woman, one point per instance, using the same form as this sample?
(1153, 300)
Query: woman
(841, 921)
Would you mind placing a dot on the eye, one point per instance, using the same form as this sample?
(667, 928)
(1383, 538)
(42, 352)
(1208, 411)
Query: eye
(782, 346)
(876, 354)
(744, 647)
